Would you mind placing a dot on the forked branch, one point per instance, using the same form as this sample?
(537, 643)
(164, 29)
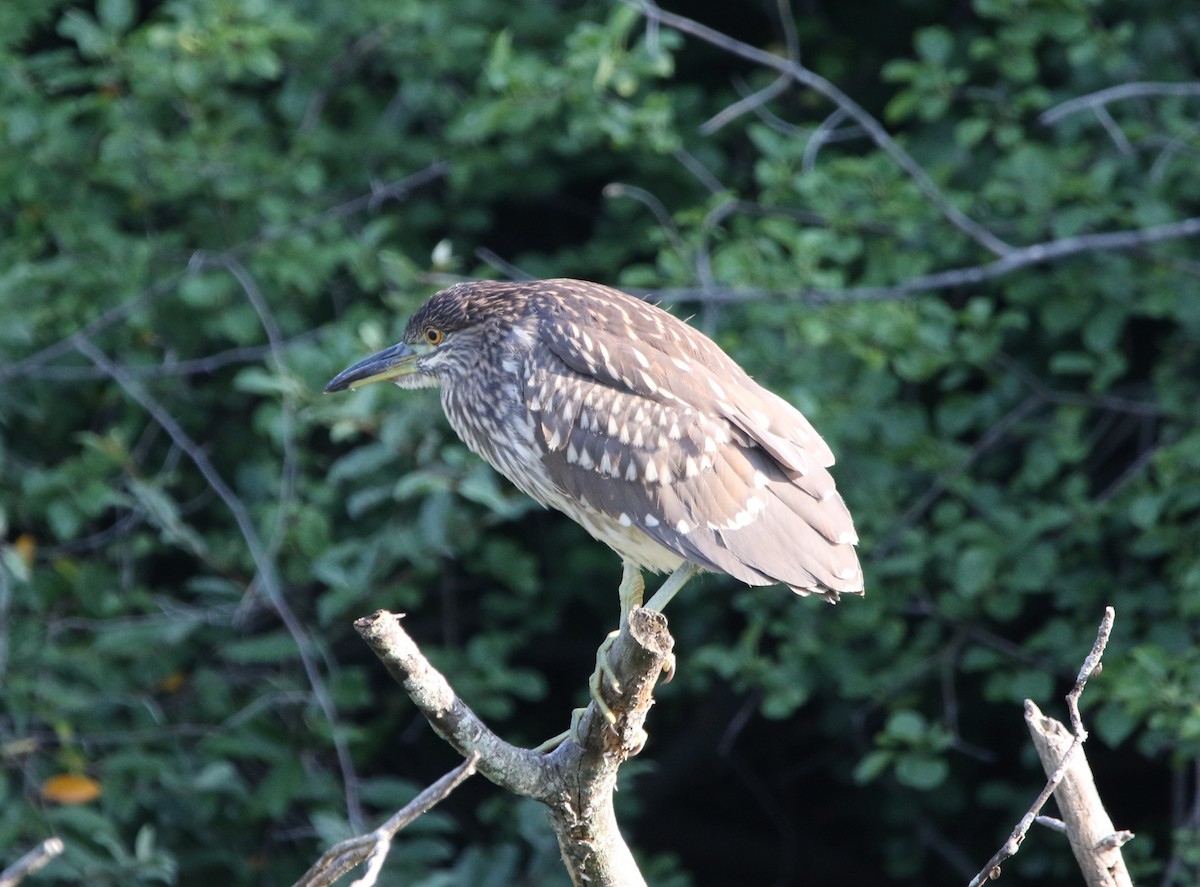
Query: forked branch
(575, 782)
(1096, 845)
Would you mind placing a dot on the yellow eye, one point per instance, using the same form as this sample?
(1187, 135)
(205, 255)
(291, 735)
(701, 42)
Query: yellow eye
(433, 335)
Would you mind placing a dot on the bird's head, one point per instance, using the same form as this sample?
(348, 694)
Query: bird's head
(442, 342)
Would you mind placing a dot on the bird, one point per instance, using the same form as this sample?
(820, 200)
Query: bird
(637, 426)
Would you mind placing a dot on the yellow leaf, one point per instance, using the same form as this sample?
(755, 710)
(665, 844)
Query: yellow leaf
(25, 546)
(173, 682)
(70, 788)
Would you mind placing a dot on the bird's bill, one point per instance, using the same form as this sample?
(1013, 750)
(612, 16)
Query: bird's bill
(390, 363)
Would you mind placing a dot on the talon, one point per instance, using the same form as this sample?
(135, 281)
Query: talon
(668, 668)
(639, 743)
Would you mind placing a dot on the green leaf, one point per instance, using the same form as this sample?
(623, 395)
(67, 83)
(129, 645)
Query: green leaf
(921, 772)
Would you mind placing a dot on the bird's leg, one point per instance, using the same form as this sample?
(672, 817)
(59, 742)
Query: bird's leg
(662, 597)
(671, 587)
(631, 592)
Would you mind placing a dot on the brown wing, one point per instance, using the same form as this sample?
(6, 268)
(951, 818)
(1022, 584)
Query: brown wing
(648, 421)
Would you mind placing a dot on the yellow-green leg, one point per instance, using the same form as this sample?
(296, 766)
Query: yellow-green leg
(631, 594)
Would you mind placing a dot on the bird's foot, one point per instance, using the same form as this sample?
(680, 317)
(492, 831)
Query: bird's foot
(604, 677)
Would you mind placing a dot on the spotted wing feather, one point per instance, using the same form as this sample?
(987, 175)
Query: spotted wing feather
(663, 433)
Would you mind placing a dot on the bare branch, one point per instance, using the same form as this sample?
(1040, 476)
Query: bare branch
(1173, 146)
(31, 862)
(1094, 841)
(373, 847)
(1055, 825)
(853, 110)
(196, 366)
(701, 172)
(820, 137)
(1115, 94)
(1036, 254)
(575, 782)
(746, 104)
(501, 264)
(651, 202)
(512, 768)
(776, 88)
(1113, 129)
(1095, 401)
(1091, 665)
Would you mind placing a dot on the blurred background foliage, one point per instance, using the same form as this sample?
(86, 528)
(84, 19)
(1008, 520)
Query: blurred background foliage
(208, 207)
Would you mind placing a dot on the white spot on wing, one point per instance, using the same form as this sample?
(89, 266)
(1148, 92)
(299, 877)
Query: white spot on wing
(651, 520)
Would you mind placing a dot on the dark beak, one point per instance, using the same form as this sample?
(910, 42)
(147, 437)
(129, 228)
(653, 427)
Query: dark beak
(390, 363)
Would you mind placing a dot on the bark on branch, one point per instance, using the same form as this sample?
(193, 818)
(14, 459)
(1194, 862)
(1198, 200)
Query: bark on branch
(1094, 841)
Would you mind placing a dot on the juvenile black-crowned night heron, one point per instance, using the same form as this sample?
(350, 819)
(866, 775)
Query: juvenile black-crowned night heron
(635, 425)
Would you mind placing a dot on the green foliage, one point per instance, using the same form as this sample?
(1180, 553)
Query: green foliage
(200, 224)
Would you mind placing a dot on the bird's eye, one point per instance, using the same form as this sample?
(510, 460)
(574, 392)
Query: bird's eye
(433, 335)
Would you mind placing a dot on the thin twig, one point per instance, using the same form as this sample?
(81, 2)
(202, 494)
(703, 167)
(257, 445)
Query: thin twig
(652, 203)
(873, 127)
(746, 104)
(1035, 254)
(1091, 665)
(1095, 401)
(501, 264)
(819, 137)
(196, 366)
(1050, 822)
(701, 172)
(1113, 129)
(777, 87)
(1174, 145)
(31, 862)
(373, 847)
(1115, 94)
